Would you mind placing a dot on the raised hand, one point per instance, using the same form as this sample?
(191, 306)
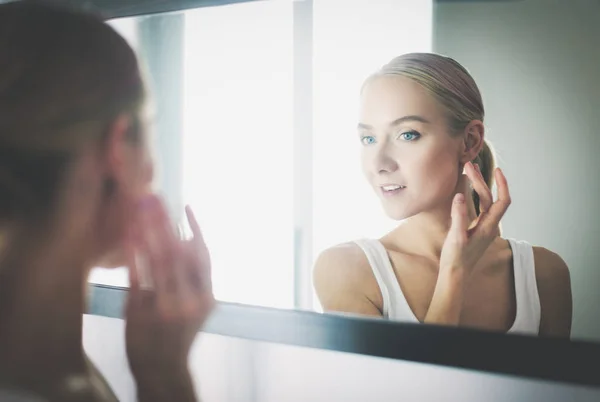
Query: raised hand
(465, 244)
(467, 241)
(163, 321)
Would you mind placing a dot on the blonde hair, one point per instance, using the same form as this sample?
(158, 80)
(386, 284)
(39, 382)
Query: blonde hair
(64, 78)
(455, 89)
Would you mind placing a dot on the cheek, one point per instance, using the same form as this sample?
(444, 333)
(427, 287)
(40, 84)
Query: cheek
(367, 162)
(144, 177)
(438, 172)
(147, 176)
(364, 163)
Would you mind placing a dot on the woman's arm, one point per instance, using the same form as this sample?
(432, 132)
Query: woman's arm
(554, 287)
(446, 303)
(340, 278)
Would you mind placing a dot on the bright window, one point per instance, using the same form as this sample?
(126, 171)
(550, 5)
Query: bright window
(238, 165)
(241, 152)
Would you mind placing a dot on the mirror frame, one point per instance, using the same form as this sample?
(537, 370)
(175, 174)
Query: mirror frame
(557, 360)
(109, 9)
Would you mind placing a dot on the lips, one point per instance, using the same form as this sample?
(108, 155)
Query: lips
(391, 186)
(391, 189)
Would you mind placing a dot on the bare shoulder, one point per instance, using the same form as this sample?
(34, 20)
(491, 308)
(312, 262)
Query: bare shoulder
(343, 280)
(346, 254)
(550, 268)
(554, 287)
(344, 265)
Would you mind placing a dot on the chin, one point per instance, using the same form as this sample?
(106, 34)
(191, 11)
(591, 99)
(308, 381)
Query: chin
(399, 214)
(112, 260)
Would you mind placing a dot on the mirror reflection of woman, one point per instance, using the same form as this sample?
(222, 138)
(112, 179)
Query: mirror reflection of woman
(425, 154)
(75, 193)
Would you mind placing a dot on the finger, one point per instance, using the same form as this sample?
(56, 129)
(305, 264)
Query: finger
(134, 281)
(168, 230)
(198, 239)
(194, 226)
(199, 289)
(157, 246)
(185, 277)
(198, 271)
(480, 187)
(464, 184)
(175, 271)
(484, 203)
(172, 263)
(503, 192)
(460, 221)
(478, 170)
(139, 294)
(181, 233)
(501, 205)
(498, 209)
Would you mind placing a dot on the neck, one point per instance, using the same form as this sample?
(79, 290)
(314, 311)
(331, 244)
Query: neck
(42, 300)
(424, 234)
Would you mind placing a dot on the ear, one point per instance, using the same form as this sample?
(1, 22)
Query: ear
(473, 141)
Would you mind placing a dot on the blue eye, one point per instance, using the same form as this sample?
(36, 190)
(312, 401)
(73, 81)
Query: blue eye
(410, 136)
(367, 140)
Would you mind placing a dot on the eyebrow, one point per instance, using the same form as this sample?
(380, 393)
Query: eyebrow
(398, 121)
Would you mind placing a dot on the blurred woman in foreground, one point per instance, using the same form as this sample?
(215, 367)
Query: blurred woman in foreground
(75, 193)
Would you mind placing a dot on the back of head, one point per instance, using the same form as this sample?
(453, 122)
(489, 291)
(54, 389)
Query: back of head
(454, 88)
(64, 77)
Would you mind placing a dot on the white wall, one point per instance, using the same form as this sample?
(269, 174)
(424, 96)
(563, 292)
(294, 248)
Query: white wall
(215, 362)
(537, 63)
(233, 370)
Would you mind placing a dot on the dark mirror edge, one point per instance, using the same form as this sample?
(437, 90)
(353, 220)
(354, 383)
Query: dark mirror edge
(572, 362)
(131, 8)
(110, 9)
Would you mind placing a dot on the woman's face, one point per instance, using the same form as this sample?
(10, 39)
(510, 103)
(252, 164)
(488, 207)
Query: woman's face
(134, 182)
(408, 155)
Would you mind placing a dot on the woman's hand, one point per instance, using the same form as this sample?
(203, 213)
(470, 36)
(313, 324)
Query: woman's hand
(163, 321)
(465, 244)
(466, 241)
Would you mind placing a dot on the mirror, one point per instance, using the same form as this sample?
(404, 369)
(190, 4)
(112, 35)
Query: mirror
(256, 128)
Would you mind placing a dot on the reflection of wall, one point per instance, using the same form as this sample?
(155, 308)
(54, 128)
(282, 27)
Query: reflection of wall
(233, 370)
(538, 66)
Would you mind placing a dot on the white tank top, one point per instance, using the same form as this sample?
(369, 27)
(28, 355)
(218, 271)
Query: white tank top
(395, 306)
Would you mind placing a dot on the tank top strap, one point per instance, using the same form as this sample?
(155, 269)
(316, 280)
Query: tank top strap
(395, 306)
(528, 314)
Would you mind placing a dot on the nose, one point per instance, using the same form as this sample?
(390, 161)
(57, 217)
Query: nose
(383, 161)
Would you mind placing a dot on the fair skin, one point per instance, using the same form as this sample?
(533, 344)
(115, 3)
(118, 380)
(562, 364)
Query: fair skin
(454, 268)
(41, 328)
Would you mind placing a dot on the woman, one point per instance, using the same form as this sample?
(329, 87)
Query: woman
(75, 176)
(425, 155)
